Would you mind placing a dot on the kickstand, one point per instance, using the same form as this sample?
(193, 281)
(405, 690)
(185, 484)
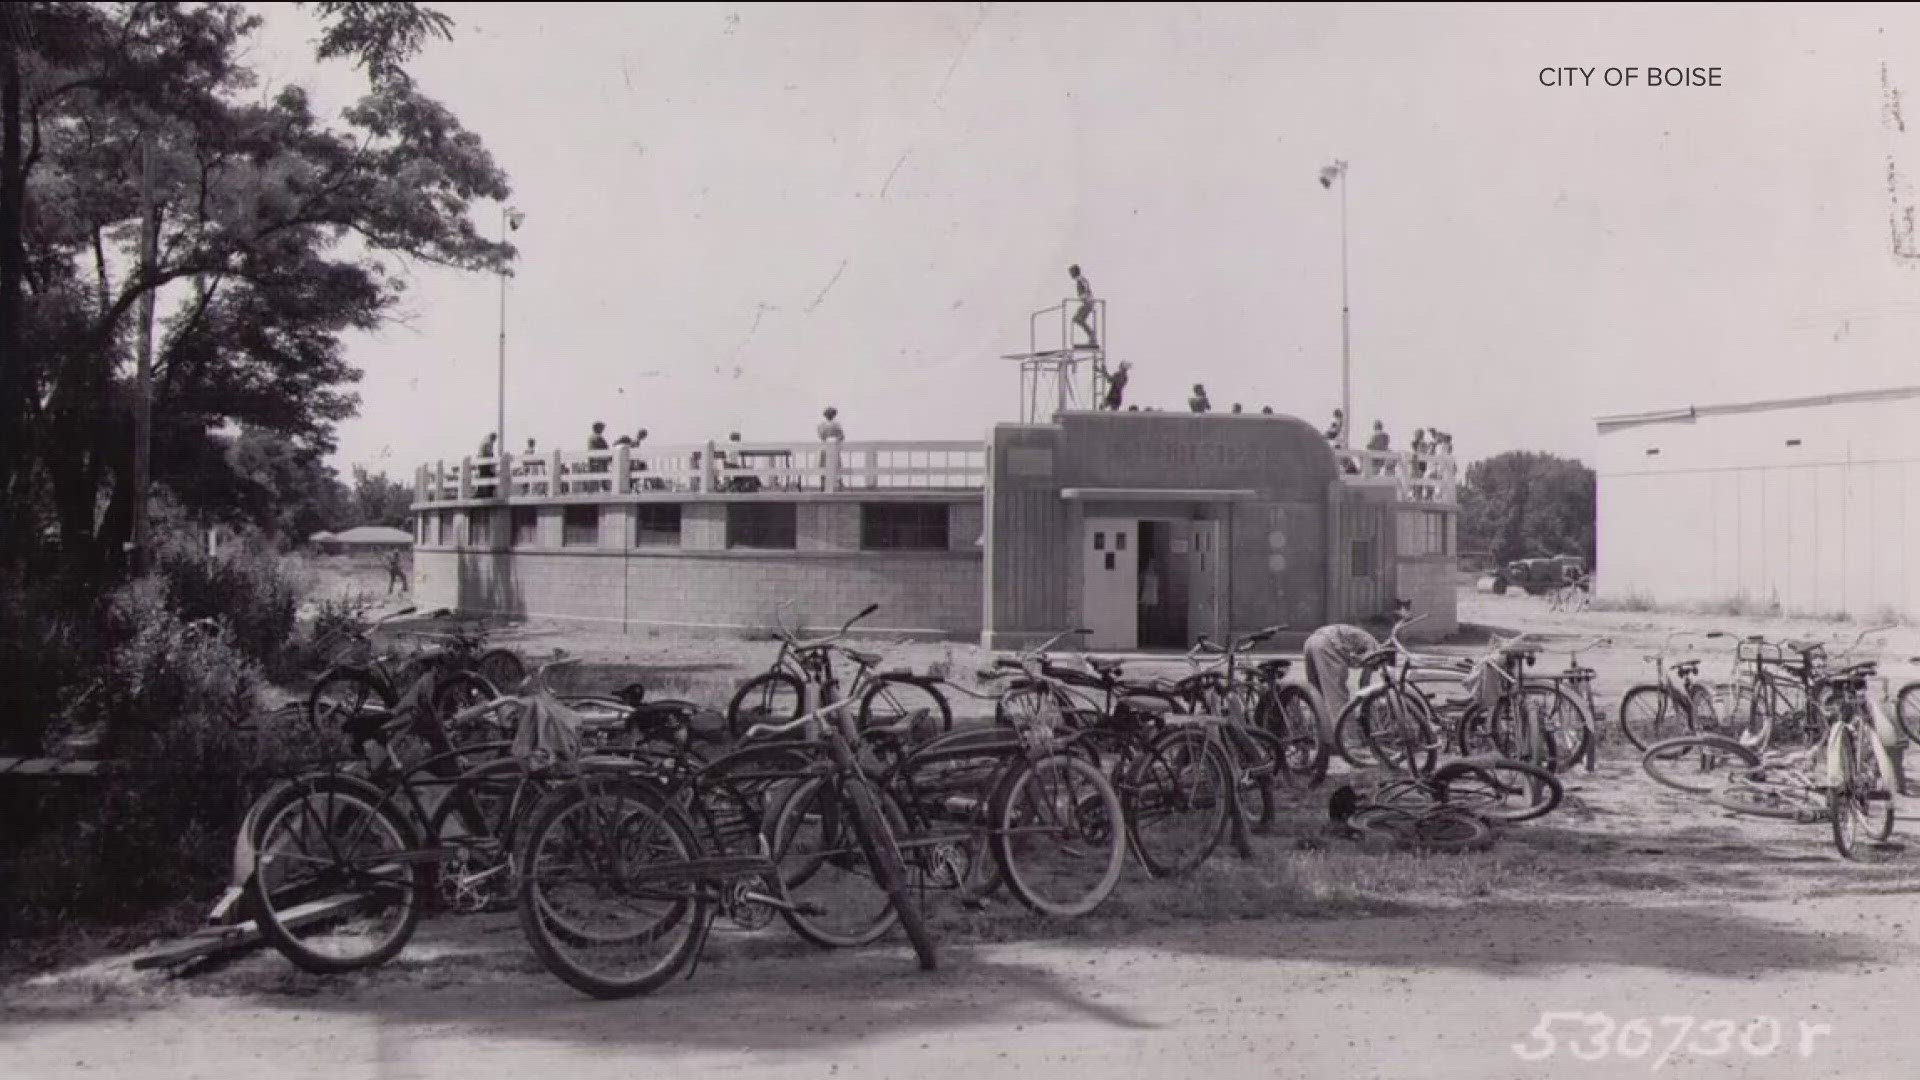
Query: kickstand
(706, 931)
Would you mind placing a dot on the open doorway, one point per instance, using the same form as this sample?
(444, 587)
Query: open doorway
(1165, 584)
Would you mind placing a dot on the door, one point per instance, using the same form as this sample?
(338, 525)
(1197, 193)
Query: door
(1206, 580)
(1110, 572)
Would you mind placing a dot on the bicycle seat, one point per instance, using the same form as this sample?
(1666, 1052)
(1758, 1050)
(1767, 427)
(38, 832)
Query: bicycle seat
(1804, 647)
(1149, 705)
(1689, 667)
(1105, 665)
(864, 659)
(1274, 668)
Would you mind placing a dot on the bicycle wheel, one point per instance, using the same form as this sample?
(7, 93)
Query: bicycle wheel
(457, 690)
(1706, 712)
(824, 872)
(503, 668)
(1290, 715)
(1398, 728)
(1435, 829)
(772, 697)
(330, 888)
(1499, 789)
(1059, 834)
(1860, 805)
(1756, 796)
(611, 898)
(890, 700)
(1692, 763)
(343, 694)
(876, 836)
(1650, 713)
(1258, 760)
(486, 809)
(1906, 710)
(1174, 797)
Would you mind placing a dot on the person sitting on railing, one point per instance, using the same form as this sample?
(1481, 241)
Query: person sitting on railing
(597, 443)
(1266, 410)
(1198, 402)
(1380, 443)
(1236, 408)
(1421, 448)
(1338, 428)
(486, 452)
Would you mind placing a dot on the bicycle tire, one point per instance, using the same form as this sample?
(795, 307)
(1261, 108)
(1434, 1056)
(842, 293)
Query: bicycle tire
(1906, 710)
(1853, 802)
(502, 667)
(883, 854)
(1292, 716)
(1665, 761)
(551, 943)
(1410, 723)
(738, 721)
(1775, 801)
(885, 685)
(358, 687)
(1153, 783)
(1104, 828)
(265, 895)
(1543, 790)
(1669, 711)
(785, 831)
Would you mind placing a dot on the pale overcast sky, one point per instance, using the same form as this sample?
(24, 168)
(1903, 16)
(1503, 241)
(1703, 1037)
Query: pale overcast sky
(737, 214)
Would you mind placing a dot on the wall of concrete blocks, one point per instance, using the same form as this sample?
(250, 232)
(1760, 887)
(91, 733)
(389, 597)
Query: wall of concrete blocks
(702, 585)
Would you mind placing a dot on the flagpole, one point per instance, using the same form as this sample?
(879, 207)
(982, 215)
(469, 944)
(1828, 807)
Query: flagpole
(1346, 323)
(500, 417)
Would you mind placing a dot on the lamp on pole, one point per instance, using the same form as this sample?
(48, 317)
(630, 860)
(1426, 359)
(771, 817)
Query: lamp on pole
(510, 220)
(1338, 171)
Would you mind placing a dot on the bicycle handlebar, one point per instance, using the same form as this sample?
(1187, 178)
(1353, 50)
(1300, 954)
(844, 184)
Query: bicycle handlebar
(799, 721)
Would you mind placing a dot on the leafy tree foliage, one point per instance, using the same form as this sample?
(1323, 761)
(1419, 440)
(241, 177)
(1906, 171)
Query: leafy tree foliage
(1523, 505)
(278, 233)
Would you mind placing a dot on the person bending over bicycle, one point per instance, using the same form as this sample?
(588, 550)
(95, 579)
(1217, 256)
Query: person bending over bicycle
(1332, 651)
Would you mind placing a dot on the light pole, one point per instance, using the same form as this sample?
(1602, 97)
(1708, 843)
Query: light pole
(1338, 171)
(510, 220)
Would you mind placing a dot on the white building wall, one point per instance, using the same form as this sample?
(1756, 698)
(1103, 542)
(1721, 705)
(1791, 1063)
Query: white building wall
(1727, 508)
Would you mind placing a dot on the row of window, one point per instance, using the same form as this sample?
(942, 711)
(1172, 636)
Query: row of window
(765, 526)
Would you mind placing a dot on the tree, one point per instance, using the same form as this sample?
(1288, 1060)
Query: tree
(278, 233)
(380, 501)
(1523, 504)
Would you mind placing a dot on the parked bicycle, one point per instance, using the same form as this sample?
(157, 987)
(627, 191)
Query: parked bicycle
(779, 694)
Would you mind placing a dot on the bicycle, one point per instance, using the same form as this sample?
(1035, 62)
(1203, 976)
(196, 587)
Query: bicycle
(1675, 697)
(802, 663)
(1171, 780)
(641, 850)
(1389, 721)
(351, 686)
(458, 845)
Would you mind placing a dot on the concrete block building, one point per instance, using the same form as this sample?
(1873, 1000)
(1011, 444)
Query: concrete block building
(1147, 528)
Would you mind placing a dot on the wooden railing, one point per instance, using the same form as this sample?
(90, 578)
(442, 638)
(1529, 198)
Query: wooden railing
(1415, 477)
(713, 468)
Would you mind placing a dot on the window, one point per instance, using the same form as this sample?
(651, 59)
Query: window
(476, 529)
(903, 527)
(760, 525)
(581, 526)
(440, 527)
(656, 525)
(1362, 559)
(526, 526)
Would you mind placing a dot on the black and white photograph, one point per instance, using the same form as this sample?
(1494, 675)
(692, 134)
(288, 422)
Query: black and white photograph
(877, 541)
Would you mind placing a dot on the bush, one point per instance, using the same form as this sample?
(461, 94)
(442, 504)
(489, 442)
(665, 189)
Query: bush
(171, 700)
(246, 587)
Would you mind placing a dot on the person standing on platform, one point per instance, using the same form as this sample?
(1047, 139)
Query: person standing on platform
(1198, 402)
(1084, 317)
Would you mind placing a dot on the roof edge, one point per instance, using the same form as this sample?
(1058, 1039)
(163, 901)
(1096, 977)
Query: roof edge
(1694, 412)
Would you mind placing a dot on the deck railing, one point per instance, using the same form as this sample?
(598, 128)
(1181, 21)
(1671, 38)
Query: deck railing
(724, 468)
(1414, 477)
(714, 468)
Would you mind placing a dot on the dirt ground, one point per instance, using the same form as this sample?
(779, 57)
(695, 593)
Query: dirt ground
(1713, 945)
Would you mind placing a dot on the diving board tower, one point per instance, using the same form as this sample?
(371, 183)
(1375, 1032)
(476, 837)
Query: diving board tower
(1052, 379)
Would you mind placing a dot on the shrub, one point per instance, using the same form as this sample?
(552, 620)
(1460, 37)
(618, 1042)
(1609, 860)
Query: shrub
(173, 701)
(245, 586)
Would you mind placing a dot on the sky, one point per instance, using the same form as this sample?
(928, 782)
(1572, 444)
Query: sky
(736, 215)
